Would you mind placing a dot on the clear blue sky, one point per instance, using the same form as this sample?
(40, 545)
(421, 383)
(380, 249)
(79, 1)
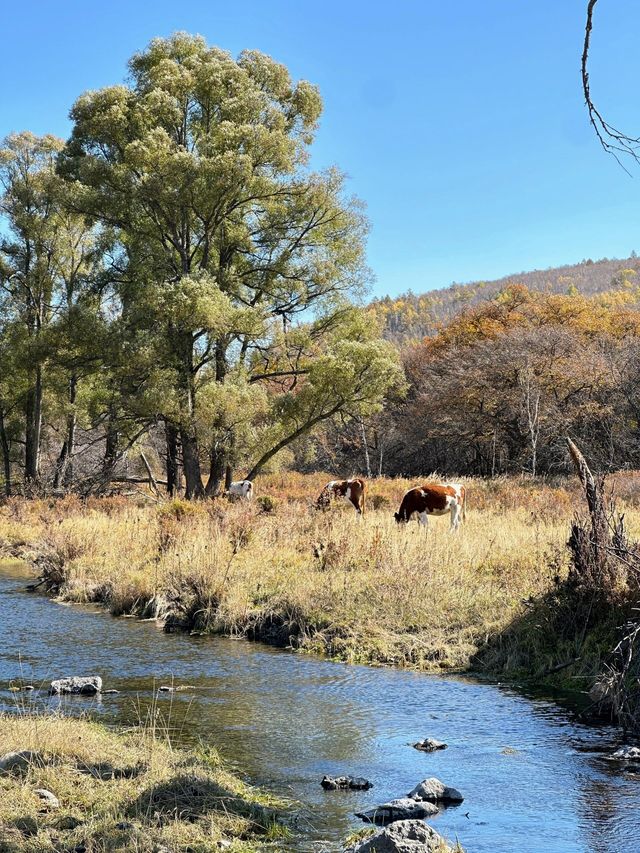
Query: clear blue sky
(461, 124)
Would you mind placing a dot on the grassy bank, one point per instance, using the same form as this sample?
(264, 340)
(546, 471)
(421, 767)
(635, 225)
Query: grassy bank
(358, 590)
(118, 791)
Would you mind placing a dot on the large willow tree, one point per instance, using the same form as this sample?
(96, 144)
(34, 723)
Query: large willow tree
(236, 262)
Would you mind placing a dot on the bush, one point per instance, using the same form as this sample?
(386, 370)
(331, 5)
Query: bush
(380, 501)
(178, 509)
(267, 503)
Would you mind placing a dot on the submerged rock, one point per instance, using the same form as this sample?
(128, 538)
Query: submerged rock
(403, 836)
(20, 762)
(400, 809)
(627, 753)
(344, 783)
(429, 744)
(50, 799)
(78, 685)
(434, 791)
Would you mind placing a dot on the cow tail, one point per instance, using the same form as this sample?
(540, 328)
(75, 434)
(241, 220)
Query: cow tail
(464, 503)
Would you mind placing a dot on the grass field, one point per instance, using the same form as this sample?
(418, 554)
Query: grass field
(276, 569)
(118, 791)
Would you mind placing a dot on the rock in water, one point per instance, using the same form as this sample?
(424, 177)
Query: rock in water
(79, 685)
(403, 836)
(627, 753)
(50, 799)
(344, 783)
(433, 791)
(429, 744)
(20, 762)
(402, 809)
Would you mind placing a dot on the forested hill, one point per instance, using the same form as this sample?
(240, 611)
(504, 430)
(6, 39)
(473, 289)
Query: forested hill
(411, 317)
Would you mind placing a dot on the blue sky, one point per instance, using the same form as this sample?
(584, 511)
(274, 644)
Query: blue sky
(460, 124)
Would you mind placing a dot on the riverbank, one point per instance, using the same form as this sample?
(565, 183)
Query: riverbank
(359, 590)
(79, 785)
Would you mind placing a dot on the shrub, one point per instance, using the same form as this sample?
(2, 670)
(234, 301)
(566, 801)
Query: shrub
(380, 502)
(267, 503)
(178, 509)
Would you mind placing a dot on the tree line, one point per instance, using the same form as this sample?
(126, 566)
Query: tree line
(175, 276)
(497, 389)
(180, 291)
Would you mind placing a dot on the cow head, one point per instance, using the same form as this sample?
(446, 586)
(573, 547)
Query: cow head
(400, 519)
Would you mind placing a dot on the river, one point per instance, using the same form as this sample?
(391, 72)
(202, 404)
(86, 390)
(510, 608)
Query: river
(533, 778)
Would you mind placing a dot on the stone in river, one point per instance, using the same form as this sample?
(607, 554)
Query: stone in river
(429, 744)
(627, 753)
(400, 809)
(79, 685)
(343, 783)
(403, 836)
(434, 791)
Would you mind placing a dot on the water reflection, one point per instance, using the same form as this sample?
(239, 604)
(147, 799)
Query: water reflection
(534, 780)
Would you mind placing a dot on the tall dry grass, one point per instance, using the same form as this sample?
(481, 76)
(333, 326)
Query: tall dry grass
(360, 590)
(122, 791)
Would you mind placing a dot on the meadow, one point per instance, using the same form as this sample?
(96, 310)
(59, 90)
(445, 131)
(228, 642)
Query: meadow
(360, 590)
(123, 791)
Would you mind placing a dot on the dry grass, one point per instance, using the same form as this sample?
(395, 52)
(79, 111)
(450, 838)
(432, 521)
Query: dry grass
(120, 792)
(360, 590)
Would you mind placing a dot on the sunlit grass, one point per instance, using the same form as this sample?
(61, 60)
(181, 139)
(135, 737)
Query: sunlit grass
(117, 791)
(363, 590)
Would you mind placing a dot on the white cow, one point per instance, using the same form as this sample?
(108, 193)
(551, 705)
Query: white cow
(242, 489)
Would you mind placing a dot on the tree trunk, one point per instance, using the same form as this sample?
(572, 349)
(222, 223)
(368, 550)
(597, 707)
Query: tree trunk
(111, 446)
(217, 469)
(64, 465)
(292, 437)
(184, 342)
(228, 477)
(6, 459)
(174, 474)
(33, 414)
(191, 465)
(365, 445)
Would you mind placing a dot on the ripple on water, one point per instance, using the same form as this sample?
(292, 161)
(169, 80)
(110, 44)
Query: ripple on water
(533, 779)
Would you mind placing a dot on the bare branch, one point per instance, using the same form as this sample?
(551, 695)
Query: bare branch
(614, 141)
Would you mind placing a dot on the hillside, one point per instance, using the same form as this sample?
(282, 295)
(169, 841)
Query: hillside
(411, 317)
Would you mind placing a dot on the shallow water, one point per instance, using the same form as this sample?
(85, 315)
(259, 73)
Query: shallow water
(286, 719)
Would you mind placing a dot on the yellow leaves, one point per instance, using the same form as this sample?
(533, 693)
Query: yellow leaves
(517, 307)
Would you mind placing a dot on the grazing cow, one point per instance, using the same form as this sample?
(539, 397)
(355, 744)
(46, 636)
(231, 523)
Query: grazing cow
(434, 499)
(242, 489)
(350, 490)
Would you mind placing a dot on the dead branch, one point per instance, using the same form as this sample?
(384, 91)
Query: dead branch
(614, 141)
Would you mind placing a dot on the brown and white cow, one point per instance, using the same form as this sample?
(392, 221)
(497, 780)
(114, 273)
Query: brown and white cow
(434, 499)
(351, 490)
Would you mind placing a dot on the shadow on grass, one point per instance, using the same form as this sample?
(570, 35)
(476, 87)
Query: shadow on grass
(562, 639)
(189, 797)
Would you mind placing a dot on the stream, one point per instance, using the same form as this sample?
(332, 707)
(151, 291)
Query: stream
(534, 779)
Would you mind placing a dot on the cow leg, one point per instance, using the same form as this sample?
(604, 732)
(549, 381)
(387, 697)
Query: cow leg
(455, 515)
(423, 520)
